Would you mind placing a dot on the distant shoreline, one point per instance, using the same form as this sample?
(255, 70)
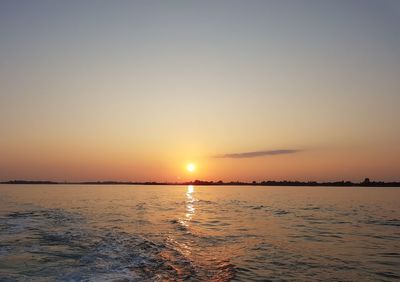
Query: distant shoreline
(365, 183)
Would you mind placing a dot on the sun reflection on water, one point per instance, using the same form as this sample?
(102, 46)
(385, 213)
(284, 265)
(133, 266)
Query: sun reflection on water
(190, 210)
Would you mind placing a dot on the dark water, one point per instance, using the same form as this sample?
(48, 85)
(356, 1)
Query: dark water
(169, 233)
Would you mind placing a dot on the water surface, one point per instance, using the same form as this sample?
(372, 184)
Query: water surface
(201, 233)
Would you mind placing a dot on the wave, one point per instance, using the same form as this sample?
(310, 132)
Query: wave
(74, 251)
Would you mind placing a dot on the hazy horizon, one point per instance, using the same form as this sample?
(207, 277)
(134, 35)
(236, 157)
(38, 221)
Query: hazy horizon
(245, 90)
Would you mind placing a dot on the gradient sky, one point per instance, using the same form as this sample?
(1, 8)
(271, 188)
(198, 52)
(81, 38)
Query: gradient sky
(247, 90)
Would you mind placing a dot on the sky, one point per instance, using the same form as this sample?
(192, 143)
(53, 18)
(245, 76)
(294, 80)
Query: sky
(246, 90)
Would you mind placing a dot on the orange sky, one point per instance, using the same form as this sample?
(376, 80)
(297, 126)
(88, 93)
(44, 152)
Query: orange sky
(135, 91)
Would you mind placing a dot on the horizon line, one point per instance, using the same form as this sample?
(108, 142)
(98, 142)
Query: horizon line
(366, 182)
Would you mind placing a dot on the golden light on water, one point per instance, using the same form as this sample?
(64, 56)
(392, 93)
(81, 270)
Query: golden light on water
(190, 210)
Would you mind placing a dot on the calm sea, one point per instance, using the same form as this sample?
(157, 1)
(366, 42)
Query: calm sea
(198, 233)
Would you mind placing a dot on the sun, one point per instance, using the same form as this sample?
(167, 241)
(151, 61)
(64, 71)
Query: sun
(191, 167)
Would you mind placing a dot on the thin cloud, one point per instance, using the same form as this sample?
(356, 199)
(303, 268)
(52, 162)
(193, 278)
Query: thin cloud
(256, 154)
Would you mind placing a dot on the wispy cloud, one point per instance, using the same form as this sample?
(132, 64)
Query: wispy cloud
(256, 154)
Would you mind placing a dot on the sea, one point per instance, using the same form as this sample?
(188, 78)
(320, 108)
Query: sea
(198, 233)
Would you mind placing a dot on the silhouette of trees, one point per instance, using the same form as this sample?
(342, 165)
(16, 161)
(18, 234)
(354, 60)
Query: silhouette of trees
(366, 183)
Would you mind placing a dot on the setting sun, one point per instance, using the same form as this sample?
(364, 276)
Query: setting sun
(191, 167)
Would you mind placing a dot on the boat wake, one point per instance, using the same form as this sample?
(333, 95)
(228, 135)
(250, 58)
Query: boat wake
(72, 251)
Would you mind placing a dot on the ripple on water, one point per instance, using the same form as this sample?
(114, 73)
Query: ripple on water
(384, 222)
(259, 237)
(281, 212)
(74, 252)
